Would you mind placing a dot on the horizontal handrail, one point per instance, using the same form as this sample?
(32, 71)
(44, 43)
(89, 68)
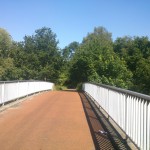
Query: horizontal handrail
(10, 90)
(130, 110)
(14, 81)
(147, 97)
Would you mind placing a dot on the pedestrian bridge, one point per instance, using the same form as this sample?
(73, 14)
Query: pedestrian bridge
(115, 118)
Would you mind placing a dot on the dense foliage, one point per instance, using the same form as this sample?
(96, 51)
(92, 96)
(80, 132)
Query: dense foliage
(124, 62)
(37, 57)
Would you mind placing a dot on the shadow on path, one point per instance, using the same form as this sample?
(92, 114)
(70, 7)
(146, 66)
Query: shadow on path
(101, 140)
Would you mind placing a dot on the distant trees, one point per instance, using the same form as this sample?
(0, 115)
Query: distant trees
(95, 61)
(37, 57)
(5, 43)
(7, 68)
(43, 54)
(123, 63)
(69, 51)
(136, 52)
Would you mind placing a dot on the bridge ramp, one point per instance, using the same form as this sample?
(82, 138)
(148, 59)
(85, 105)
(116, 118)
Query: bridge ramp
(53, 120)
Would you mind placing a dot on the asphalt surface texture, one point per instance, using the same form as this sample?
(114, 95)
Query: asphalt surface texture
(55, 120)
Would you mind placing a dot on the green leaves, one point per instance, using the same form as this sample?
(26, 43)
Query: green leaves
(69, 51)
(8, 71)
(136, 52)
(37, 57)
(5, 43)
(45, 39)
(123, 63)
(142, 76)
(95, 61)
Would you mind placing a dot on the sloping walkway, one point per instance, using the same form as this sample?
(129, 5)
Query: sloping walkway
(49, 121)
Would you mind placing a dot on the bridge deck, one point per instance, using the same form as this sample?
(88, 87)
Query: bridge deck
(52, 120)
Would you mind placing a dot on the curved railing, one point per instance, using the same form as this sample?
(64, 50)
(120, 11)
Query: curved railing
(11, 90)
(130, 110)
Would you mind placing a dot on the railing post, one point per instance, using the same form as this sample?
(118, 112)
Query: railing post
(3, 93)
(108, 104)
(18, 88)
(146, 125)
(126, 96)
(136, 111)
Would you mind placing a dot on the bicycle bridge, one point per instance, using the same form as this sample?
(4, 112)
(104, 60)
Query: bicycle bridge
(99, 117)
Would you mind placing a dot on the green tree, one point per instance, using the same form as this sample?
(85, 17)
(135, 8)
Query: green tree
(100, 38)
(113, 70)
(8, 71)
(143, 44)
(83, 70)
(69, 51)
(136, 52)
(29, 44)
(42, 58)
(45, 39)
(5, 43)
(96, 61)
(142, 76)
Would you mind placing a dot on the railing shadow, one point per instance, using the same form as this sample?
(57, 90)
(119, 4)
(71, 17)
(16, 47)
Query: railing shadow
(101, 141)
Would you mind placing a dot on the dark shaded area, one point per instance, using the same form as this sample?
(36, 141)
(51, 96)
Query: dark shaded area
(101, 141)
(112, 135)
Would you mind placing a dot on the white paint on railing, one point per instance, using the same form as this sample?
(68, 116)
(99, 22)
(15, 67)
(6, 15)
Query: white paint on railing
(14, 90)
(130, 110)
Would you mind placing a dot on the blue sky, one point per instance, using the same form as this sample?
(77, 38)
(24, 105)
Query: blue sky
(71, 20)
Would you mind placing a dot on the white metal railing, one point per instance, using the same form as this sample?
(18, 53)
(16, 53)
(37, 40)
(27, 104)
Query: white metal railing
(11, 90)
(130, 110)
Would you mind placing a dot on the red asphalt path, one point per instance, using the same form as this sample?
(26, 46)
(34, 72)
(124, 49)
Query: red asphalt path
(49, 121)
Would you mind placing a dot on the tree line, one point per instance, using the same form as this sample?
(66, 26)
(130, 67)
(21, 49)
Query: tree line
(123, 63)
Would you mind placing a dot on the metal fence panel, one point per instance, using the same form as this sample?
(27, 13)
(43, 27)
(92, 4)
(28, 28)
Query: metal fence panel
(130, 110)
(15, 89)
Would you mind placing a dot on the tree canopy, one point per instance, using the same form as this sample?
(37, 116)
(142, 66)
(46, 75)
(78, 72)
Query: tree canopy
(124, 62)
(5, 43)
(95, 61)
